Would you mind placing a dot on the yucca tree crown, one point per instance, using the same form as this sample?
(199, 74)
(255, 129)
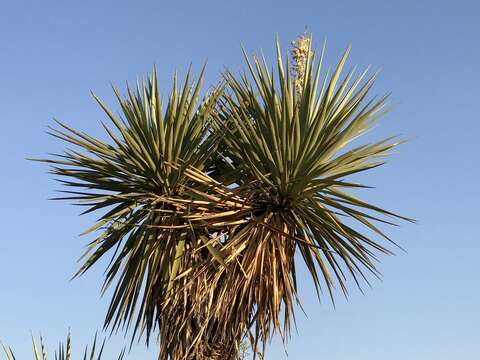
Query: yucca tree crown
(288, 143)
(132, 178)
(208, 205)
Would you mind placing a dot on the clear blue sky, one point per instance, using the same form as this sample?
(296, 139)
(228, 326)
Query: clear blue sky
(54, 52)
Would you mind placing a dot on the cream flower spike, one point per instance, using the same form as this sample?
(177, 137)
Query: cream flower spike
(300, 54)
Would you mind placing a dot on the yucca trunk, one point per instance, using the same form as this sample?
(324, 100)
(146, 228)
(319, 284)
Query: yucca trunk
(194, 329)
(217, 351)
(216, 347)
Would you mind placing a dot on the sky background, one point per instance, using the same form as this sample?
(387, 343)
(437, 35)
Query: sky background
(52, 53)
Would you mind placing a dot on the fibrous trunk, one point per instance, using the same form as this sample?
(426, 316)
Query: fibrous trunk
(192, 323)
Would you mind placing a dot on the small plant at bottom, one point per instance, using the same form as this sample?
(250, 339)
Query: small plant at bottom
(64, 351)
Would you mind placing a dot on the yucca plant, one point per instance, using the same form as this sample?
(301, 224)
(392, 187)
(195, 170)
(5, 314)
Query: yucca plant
(207, 204)
(64, 351)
